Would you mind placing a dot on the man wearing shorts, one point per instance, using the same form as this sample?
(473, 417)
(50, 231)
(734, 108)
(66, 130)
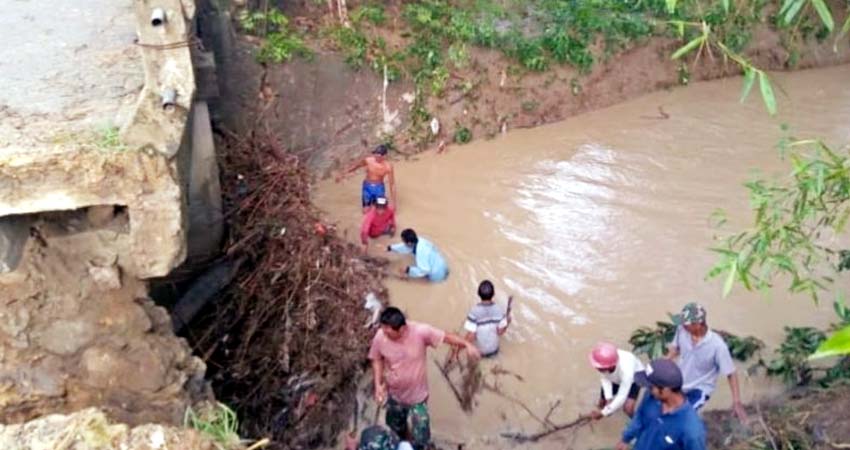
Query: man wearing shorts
(378, 168)
(617, 369)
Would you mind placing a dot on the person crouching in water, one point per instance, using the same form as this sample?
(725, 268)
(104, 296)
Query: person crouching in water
(486, 321)
(617, 369)
(378, 220)
(428, 261)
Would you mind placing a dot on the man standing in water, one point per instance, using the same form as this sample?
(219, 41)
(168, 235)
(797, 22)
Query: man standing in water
(487, 321)
(617, 369)
(399, 365)
(378, 220)
(428, 261)
(664, 419)
(703, 356)
(377, 169)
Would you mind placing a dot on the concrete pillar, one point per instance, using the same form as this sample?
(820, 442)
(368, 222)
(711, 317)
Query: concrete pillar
(205, 216)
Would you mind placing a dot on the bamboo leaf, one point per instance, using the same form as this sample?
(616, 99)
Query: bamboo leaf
(730, 279)
(671, 6)
(837, 344)
(726, 6)
(767, 93)
(695, 42)
(749, 79)
(825, 15)
(793, 8)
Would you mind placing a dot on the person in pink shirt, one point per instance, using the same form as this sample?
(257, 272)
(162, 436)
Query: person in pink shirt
(378, 220)
(399, 365)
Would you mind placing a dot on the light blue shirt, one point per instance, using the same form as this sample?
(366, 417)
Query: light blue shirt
(428, 261)
(702, 363)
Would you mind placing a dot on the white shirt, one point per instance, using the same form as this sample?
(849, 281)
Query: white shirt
(624, 375)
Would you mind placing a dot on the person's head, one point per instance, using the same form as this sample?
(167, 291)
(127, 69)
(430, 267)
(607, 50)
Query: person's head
(693, 319)
(393, 323)
(380, 151)
(381, 204)
(409, 237)
(663, 378)
(486, 291)
(604, 357)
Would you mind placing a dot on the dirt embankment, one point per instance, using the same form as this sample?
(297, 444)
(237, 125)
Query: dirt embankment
(76, 332)
(327, 113)
(285, 344)
(804, 418)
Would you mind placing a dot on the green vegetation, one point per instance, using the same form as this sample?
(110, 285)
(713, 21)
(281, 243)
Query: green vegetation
(428, 41)
(462, 135)
(652, 342)
(219, 424)
(109, 139)
(796, 221)
(281, 43)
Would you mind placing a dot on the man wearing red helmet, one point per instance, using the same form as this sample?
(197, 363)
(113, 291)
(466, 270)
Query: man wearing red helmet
(617, 369)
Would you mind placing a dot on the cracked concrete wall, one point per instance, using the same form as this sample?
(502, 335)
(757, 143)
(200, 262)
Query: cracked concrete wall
(78, 76)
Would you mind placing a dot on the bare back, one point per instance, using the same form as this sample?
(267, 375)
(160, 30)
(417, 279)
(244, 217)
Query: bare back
(376, 170)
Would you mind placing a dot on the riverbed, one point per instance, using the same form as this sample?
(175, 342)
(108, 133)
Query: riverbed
(596, 225)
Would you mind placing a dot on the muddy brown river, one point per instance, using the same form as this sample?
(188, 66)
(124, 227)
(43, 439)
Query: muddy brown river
(597, 225)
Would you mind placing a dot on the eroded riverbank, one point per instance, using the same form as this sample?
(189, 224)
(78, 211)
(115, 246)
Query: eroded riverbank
(598, 225)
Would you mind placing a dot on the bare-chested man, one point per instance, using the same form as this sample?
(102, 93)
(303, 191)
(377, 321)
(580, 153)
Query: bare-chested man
(377, 168)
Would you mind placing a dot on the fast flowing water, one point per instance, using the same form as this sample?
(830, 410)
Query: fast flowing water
(597, 225)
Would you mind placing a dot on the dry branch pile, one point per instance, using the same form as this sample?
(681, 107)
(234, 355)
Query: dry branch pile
(286, 341)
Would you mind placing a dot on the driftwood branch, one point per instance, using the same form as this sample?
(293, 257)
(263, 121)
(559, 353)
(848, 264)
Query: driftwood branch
(523, 437)
(454, 388)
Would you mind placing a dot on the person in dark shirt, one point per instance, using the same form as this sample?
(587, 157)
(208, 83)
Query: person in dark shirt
(665, 419)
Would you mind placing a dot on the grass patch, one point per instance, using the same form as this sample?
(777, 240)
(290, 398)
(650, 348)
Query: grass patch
(218, 423)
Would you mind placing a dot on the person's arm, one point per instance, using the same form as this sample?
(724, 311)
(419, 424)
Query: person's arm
(470, 326)
(401, 247)
(459, 342)
(636, 425)
(421, 267)
(626, 380)
(417, 272)
(364, 228)
(726, 366)
(673, 346)
(378, 380)
(506, 321)
(391, 182)
(352, 168)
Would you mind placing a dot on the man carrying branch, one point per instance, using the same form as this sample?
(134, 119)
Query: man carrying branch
(399, 361)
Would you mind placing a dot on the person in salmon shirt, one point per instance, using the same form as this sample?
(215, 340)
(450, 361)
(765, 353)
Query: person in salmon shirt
(399, 365)
(378, 220)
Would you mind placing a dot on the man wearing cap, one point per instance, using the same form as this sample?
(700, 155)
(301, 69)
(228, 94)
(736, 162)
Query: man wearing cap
(702, 355)
(617, 369)
(665, 419)
(378, 220)
(377, 169)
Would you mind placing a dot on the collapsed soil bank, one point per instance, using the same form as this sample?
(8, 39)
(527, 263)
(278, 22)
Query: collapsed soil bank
(328, 113)
(273, 352)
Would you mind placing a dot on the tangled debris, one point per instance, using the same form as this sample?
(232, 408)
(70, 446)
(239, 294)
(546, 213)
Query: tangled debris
(286, 341)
